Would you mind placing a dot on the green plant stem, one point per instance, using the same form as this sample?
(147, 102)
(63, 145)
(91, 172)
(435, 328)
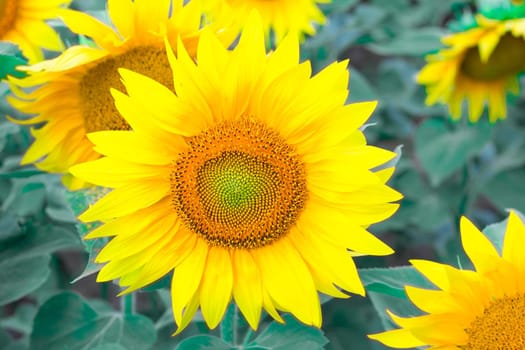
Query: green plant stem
(128, 304)
(104, 291)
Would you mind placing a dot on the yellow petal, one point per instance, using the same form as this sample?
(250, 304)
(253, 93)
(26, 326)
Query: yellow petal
(187, 315)
(514, 241)
(187, 278)
(247, 288)
(122, 201)
(216, 286)
(166, 110)
(121, 13)
(398, 338)
(288, 281)
(477, 247)
(339, 229)
(81, 23)
(111, 172)
(336, 263)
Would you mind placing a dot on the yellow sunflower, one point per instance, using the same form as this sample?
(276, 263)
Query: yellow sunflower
(282, 16)
(252, 180)
(23, 22)
(480, 66)
(73, 95)
(471, 310)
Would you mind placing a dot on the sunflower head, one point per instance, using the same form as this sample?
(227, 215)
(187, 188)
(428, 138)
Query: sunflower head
(250, 180)
(481, 309)
(22, 22)
(72, 94)
(479, 66)
(279, 17)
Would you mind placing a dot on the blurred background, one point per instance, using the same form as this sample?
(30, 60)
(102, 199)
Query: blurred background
(445, 169)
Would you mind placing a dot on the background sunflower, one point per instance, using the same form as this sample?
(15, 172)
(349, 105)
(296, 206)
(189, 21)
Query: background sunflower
(82, 75)
(480, 309)
(280, 17)
(445, 169)
(23, 22)
(479, 65)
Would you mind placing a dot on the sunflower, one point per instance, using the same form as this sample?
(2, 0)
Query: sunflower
(479, 65)
(471, 310)
(282, 16)
(23, 22)
(73, 95)
(251, 180)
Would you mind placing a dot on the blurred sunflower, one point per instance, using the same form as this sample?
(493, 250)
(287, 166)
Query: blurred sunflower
(282, 16)
(73, 95)
(23, 22)
(471, 310)
(479, 65)
(252, 180)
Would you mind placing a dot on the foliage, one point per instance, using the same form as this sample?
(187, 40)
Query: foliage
(48, 293)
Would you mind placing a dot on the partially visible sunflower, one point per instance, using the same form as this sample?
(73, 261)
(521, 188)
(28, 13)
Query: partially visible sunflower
(480, 65)
(470, 310)
(282, 16)
(22, 22)
(252, 180)
(73, 95)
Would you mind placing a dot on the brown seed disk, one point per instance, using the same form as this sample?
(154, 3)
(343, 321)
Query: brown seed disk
(501, 326)
(8, 12)
(239, 185)
(97, 105)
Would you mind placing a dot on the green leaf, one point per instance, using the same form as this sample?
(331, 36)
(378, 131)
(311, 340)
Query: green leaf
(79, 201)
(386, 289)
(399, 306)
(496, 234)
(442, 151)
(66, 321)
(22, 321)
(46, 240)
(360, 88)
(7, 129)
(507, 190)
(9, 62)
(203, 342)
(411, 43)
(292, 335)
(392, 281)
(34, 271)
(109, 346)
(26, 199)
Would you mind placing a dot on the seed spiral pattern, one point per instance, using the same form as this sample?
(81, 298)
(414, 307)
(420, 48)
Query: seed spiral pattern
(500, 327)
(239, 185)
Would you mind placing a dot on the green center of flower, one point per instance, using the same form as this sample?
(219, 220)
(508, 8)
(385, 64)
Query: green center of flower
(97, 105)
(508, 58)
(8, 10)
(239, 185)
(501, 326)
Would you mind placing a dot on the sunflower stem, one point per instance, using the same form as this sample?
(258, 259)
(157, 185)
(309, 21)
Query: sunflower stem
(128, 304)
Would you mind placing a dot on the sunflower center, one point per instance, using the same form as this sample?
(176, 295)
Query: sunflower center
(500, 327)
(508, 58)
(239, 185)
(98, 108)
(8, 9)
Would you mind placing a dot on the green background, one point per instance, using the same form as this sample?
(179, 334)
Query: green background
(48, 295)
